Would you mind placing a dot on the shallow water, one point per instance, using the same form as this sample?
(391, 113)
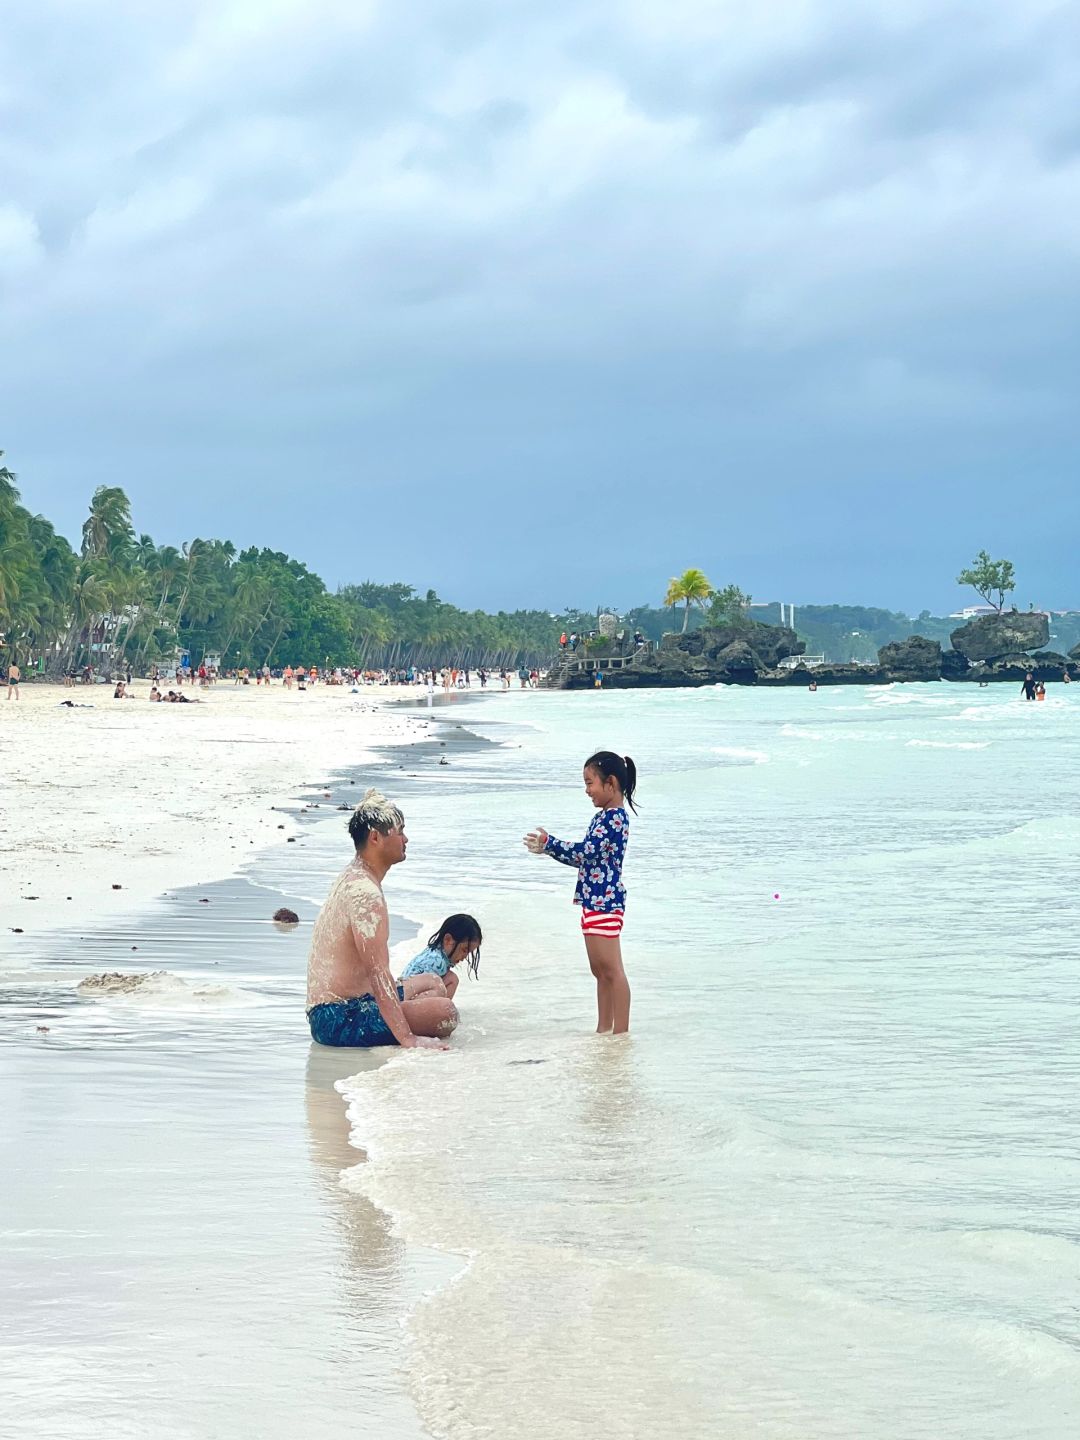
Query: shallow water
(177, 1256)
(826, 1188)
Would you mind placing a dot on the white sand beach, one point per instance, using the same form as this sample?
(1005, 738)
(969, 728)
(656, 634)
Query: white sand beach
(153, 797)
(178, 1255)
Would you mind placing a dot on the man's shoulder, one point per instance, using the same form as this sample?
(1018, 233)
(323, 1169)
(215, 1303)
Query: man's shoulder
(361, 889)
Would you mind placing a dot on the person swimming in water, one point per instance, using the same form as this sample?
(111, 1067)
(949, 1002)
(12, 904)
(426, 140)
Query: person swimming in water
(351, 998)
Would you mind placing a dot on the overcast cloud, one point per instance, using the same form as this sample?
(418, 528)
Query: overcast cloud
(539, 303)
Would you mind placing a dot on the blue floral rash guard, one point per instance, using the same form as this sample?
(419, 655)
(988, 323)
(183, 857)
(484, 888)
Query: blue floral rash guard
(599, 860)
(432, 961)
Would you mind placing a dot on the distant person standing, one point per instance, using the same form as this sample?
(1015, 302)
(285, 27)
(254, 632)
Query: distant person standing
(562, 641)
(1028, 687)
(14, 675)
(1040, 691)
(523, 678)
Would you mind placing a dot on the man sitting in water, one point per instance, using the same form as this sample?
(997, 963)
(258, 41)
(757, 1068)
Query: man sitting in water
(352, 999)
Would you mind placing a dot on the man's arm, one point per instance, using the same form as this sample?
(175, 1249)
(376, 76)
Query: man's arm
(372, 945)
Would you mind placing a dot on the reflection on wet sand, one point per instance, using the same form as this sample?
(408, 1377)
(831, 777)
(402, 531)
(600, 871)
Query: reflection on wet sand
(373, 1267)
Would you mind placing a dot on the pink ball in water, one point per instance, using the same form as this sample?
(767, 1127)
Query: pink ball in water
(777, 895)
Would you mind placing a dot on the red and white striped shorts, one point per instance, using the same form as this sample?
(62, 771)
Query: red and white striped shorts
(602, 922)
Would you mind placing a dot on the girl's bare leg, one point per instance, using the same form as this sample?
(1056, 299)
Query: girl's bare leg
(612, 986)
(431, 1015)
(427, 985)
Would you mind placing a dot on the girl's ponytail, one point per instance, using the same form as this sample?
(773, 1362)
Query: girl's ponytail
(610, 766)
(630, 782)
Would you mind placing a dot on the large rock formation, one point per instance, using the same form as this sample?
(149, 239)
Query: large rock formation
(954, 666)
(746, 652)
(1044, 665)
(768, 644)
(827, 675)
(915, 658)
(734, 654)
(989, 637)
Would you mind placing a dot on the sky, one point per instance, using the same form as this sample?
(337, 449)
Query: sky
(539, 304)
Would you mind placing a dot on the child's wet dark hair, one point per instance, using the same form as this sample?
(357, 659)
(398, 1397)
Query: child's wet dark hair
(460, 928)
(620, 768)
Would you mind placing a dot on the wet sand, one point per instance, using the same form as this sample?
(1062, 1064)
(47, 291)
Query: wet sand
(179, 1256)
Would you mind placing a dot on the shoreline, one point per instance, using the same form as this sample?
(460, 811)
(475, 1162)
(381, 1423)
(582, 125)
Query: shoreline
(110, 807)
(172, 1048)
(210, 1044)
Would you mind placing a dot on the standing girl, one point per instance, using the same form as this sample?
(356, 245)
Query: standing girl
(609, 783)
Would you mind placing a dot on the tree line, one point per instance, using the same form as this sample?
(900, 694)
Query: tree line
(121, 599)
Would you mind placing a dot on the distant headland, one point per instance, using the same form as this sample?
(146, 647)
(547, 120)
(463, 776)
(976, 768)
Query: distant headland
(1004, 646)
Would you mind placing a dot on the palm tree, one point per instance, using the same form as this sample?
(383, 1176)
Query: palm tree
(107, 530)
(692, 588)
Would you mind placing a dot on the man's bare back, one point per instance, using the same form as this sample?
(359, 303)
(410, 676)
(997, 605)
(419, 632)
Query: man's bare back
(355, 910)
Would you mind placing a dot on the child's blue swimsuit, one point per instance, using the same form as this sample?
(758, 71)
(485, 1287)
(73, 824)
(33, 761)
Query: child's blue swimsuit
(431, 961)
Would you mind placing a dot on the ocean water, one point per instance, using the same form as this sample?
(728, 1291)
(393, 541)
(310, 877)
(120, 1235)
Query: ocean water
(827, 1187)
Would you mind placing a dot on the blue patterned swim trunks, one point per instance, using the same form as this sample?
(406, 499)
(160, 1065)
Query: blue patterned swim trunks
(356, 1022)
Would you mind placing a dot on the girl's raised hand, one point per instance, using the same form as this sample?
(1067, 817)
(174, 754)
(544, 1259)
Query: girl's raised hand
(536, 840)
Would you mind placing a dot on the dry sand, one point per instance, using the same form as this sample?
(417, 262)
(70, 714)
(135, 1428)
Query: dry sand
(153, 797)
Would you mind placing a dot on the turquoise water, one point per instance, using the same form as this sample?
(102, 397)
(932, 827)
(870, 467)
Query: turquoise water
(828, 1186)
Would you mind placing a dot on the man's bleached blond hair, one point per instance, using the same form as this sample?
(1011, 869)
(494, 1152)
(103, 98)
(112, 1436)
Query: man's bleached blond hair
(375, 812)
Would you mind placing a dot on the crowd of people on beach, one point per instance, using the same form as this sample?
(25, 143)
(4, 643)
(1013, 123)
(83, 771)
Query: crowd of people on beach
(299, 677)
(447, 677)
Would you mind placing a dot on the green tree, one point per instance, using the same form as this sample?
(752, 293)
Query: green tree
(689, 588)
(727, 604)
(989, 578)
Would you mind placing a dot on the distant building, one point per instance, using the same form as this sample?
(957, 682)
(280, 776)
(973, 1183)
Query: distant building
(972, 612)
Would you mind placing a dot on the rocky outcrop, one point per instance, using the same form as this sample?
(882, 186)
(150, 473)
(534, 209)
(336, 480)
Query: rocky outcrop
(736, 660)
(1004, 667)
(826, 675)
(915, 658)
(954, 666)
(769, 644)
(1044, 665)
(745, 652)
(990, 637)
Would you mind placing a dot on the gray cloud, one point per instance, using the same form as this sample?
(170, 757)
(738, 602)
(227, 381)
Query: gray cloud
(296, 272)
